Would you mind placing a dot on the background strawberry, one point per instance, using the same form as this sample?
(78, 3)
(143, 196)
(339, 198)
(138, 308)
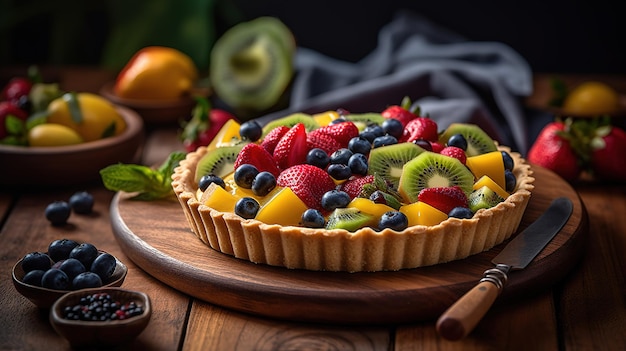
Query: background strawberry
(204, 124)
(15, 89)
(608, 159)
(552, 149)
(257, 156)
(8, 108)
(443, 198)
(308, 182)
(292, 148)
(404, 112)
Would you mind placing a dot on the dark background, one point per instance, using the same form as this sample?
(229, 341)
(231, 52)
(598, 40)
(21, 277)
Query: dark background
(568, 37)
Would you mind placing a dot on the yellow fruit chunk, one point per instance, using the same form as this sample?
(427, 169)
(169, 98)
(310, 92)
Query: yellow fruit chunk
(490, 164)
(592, 99)
(421, 213)
(370, 207)
(226, 135)
(284, 208)
(52, 134)
(489, 183)
(90, 115)
(324, 118)
(219, 199)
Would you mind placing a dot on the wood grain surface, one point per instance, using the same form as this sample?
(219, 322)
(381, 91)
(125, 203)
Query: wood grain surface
(156, 237)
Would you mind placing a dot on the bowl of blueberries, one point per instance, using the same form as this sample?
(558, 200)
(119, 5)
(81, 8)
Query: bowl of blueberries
(67, 265)
(104, 317)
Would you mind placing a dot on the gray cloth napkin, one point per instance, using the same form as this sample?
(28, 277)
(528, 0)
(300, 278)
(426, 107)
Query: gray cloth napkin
(452, 79)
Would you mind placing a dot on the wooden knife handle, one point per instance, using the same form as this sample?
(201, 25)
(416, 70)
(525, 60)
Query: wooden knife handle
(461, 318)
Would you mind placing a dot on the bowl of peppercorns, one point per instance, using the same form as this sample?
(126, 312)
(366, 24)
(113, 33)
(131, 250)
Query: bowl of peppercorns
(101, 316)
(67, 265)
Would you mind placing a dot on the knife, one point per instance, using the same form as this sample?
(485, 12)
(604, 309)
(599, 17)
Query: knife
(461, 318)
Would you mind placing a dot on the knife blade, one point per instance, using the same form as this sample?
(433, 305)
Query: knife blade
(461, 318)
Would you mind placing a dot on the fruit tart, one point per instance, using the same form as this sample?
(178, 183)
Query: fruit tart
(340, 191)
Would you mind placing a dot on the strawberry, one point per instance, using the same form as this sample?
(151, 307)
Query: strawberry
(436, 146)
(553, 150)
(8, 108)
(403, 112)
(607, 158)
(443, 198)
(273, 137)
(354, 185)
(204, 124)
(455, 152)
(257, 156)
(308, 182)
(420, 128)
(15, 89)
(292, 148)
(318, 139)
(342, 132)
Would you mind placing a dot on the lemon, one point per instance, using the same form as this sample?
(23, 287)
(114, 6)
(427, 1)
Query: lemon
(591, 98)
(52, 134)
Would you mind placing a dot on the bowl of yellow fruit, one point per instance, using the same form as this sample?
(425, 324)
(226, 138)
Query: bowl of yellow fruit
(76, 136)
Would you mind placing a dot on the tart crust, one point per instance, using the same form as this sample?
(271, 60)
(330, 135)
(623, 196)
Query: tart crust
(341, 250)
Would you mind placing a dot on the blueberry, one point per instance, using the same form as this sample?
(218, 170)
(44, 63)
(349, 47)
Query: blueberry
(461, 212)
(313, 218)
(508, 160)
(339, 171)
(247, 207)
(458, 140)
(86, 280)
(510, 180)
(368, 135)
(341, 156)
(58, 212)
(33, 277)
(318, 158)
(263, 183)
(60, 249)
(394, 220)
(393, 127)
(333, 199)
(85, 253)
(360, 145)
(244, 175)
(424, 144)
(72, 267)
(250, 130)
(36, 260)
(378, 197)
(104, 266)
(81, 202)
(358, 164)
(207, 179)
(384, 141)
(56, 279)
(375, 129)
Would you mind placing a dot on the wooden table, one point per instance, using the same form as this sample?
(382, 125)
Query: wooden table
(584, 311)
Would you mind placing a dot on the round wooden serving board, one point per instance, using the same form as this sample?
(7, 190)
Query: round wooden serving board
(155, 235)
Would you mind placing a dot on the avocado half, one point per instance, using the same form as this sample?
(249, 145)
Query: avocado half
(252, 64)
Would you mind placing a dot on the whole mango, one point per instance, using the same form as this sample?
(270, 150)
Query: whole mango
(90, 115)
(156, 72)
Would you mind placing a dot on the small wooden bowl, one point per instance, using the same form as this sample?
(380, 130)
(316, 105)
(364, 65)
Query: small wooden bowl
(44, 298)
(100, 333)
(72, 164)
(154, 112)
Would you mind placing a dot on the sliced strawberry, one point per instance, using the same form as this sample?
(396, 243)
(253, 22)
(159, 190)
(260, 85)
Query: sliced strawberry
(400, 113)
(443, 198)
(308, 182)
(257, 156)
(317, 139)
(273, 137)
(342, 132)
(420, 128)
(455, 152)
(292, 148)
(354, 185)
(436, 146)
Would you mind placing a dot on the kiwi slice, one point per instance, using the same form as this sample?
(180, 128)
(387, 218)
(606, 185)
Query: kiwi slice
(430, 170)
(362, 120)
(387, 161)
(252, 63)
(478, 141)
(290, 121)
(348, 218)
(483, 197)
(220, 161)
